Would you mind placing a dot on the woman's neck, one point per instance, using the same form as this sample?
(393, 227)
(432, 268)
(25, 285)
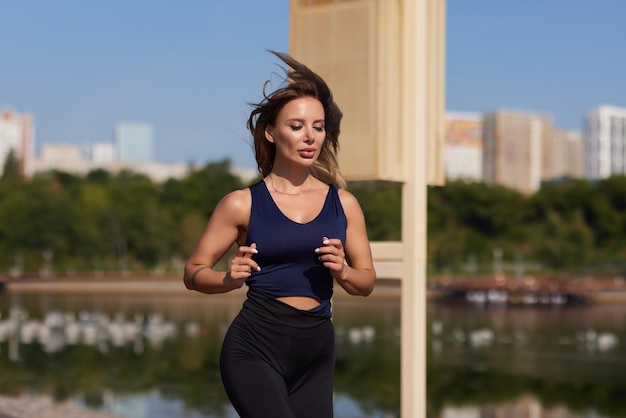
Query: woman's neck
(291, 185)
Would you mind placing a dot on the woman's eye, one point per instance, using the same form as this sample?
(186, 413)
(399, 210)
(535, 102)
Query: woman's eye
(296, 127)
(319, 128)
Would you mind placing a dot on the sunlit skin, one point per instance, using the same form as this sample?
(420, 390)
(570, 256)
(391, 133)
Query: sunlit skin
(298, 134)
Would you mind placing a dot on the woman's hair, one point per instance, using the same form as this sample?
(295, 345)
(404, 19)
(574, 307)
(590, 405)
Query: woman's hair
(301, 82)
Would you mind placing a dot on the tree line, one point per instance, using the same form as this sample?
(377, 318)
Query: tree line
(125, 221)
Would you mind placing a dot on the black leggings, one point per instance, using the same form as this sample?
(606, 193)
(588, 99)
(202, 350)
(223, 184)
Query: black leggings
(278, 361)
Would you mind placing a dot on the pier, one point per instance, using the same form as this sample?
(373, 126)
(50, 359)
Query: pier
(528, 291)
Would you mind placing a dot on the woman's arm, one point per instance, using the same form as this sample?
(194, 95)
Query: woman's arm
(228, 221)
(357, 277)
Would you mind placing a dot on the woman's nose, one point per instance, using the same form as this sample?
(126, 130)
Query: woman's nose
(310, 134)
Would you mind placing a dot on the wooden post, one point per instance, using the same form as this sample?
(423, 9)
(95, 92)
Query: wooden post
(414, 137)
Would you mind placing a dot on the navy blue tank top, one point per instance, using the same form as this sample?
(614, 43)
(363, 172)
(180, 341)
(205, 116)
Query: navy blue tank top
(289, 264)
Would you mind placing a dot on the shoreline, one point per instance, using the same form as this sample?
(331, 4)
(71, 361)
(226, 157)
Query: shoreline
(165, 286)
(173, 286)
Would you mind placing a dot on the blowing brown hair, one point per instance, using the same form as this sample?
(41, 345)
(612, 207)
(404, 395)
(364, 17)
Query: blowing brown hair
(301, 82)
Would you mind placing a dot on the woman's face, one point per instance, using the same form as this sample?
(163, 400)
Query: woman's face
(298, 132)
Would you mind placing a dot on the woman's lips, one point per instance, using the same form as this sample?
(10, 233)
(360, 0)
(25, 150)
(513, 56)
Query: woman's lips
(307, 152)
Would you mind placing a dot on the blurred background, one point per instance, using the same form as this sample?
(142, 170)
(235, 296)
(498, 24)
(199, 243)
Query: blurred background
(122, 124)
(94, 95)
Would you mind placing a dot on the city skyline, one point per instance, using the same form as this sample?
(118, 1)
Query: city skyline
(80, 68)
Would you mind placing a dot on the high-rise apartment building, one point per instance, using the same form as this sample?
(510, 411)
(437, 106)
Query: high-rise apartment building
(463, 146)
(605, 142)
(565, 150)
(134, 142)
(515, 149)
(17, 134)
(367, 52)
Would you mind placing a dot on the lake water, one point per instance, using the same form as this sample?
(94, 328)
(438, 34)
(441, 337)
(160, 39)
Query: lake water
(157, 356)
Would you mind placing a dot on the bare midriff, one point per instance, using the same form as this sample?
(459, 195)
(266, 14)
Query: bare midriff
(304, 303)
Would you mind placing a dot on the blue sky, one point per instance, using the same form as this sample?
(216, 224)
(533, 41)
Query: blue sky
(190, 68)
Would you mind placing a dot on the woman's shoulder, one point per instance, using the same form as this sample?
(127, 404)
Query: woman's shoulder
(237, 202)
(345, 194)
(348, 200)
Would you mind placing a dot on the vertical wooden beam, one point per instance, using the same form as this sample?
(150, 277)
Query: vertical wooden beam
(414, 140)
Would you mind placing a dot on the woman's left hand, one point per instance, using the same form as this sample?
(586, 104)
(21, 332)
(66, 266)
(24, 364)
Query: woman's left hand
(332, 256)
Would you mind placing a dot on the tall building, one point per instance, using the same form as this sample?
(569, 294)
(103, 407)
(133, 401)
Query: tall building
(134, 142)
(605, 142)
(463, 146)
(103, 152)
(515, 149)
(367, 51)
(566, 155)
(17, 133)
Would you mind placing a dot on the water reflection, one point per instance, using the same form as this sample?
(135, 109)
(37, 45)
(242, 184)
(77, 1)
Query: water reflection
(56, 330)
(158, 356)
(548, 362)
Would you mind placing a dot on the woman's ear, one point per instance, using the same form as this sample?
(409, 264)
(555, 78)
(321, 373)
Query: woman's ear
(269, 133)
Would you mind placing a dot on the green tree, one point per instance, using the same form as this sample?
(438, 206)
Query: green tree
(471, 219)
(11, 167)
(37, 217)
(382, 209)
(567, 240)
(206, 187)
(612, 191)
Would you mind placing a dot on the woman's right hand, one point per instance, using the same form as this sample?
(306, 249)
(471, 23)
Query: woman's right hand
(242, 265)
